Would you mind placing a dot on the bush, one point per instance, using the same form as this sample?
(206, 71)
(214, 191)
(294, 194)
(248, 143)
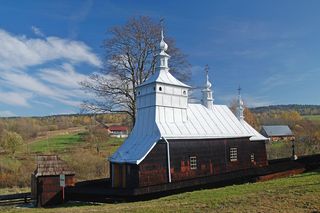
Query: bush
(87, 164)
(96, 135)
(10, 141)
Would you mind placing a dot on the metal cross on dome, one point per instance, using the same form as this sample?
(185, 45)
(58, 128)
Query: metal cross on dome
(206, 69)
(239, 90)
(161, 24)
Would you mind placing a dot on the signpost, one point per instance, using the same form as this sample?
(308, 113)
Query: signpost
(62, 184)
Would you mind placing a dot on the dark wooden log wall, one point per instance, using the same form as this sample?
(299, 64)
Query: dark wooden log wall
(153, 169)
(49, 191)
(213, 158)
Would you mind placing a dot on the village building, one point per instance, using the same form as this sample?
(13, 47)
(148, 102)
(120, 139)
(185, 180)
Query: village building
(46, 187)
(277, 133)
(173, 140)
(118, 131)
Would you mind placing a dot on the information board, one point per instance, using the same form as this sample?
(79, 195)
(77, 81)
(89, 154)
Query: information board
(62, 180)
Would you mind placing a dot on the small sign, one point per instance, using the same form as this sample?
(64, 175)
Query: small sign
(62, 180)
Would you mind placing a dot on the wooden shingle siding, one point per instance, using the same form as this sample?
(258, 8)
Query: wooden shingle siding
(213, 158)
(46, 179)
(153, 170)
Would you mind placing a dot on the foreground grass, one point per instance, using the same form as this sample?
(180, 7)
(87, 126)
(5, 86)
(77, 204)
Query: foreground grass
(295, 194)
(14, 190)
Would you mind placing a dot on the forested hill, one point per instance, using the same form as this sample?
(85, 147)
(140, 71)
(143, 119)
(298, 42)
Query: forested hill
(302, 109)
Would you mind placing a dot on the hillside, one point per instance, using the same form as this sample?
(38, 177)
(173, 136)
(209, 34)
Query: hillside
(302, 109)
(294, 194)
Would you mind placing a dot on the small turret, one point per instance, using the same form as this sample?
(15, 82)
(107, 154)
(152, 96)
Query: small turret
(240, 107)
(207, 98)
(163, 57)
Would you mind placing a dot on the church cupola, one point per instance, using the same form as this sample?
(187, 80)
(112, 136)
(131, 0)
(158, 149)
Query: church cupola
(207, 97)
(162, 89)
(163, 57)
(240, 106)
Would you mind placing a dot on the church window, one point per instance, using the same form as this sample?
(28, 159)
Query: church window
(193, 162)
(233, 154)
(184, 92)
(160, 88)
(252, 157)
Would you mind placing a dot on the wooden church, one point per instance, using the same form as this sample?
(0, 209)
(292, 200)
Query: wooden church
(174, 140)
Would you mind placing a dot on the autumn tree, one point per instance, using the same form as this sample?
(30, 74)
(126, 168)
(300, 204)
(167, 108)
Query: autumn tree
(130, 58)
(10, 141)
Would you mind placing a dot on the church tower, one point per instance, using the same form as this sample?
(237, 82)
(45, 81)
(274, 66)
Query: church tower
(207, 98)
(162, 92)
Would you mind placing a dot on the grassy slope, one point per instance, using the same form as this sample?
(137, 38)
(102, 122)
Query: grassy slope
(15, 171)
(295, 194)
(55, 144)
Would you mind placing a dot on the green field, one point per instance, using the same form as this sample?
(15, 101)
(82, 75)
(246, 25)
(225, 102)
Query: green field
(55, 144)
(315, 118)
(295, 194)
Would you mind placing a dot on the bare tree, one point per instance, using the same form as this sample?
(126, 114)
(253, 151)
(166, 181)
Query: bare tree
(130, 59)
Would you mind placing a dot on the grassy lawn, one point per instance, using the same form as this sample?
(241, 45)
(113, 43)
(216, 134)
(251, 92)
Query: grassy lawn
(280, 149)
(55, 144)
(295, 194)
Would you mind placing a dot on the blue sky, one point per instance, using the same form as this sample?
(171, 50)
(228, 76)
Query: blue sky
(270, 48)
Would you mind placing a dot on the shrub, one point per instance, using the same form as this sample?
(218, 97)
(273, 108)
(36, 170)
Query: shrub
(10, 141)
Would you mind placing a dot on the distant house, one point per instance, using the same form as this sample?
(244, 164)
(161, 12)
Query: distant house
(277, 133)
(118, 131)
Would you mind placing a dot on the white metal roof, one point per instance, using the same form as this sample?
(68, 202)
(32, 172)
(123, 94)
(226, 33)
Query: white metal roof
(256, 135)
(199, 122)
(164, 76)
(196, 122)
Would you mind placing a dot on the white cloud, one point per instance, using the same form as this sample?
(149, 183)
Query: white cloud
(24, 82)
(14, 98)
(21, 52)
(7, 113)
(37, 31)
(64, 76)
(29, 71)
(43, 103)
(73, 103)
(27, 82)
